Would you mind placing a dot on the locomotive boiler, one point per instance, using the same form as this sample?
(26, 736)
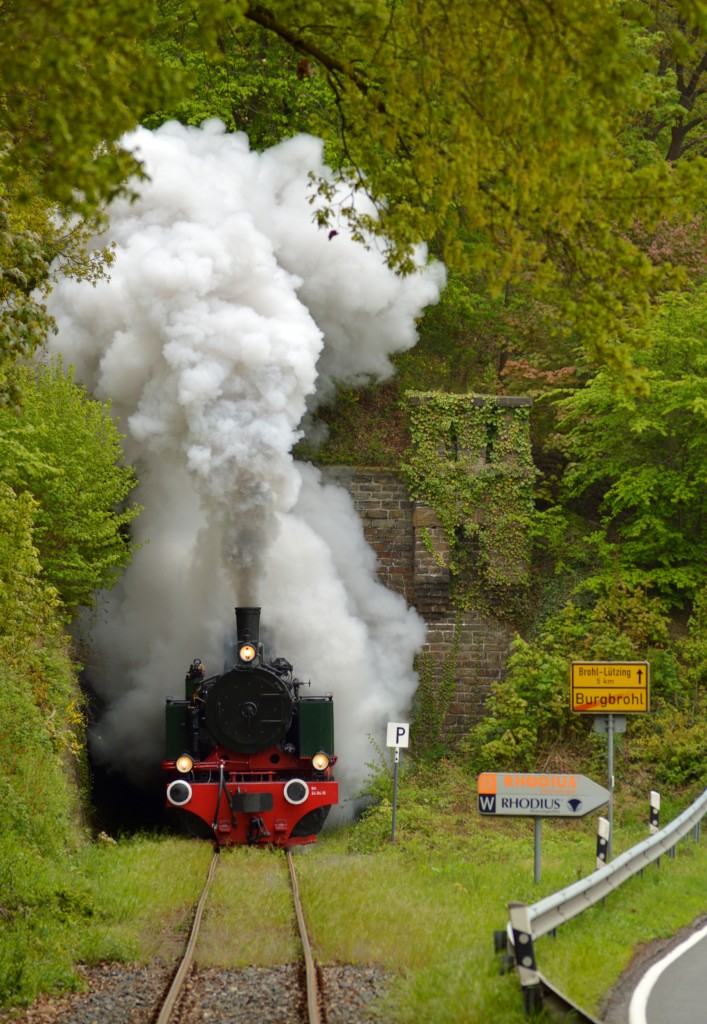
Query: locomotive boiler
(248, 758)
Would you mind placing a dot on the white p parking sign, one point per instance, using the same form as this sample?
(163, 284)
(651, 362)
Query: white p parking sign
(398, 734)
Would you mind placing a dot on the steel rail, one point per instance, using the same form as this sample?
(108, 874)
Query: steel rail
(183, 969)
(309, 964)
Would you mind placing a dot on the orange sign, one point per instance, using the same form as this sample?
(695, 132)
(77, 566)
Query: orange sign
(539, 795)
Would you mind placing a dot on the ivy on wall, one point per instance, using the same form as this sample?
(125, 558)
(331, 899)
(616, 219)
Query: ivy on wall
(433, 699)
(470, 461)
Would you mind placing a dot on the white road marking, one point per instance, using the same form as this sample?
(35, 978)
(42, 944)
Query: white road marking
(639, 1000)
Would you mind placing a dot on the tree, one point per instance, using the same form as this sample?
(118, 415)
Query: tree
(493, 126)
(252, 81)
(31, 238)
(64, 451)
(642, 461)
(74, 78)
(676, 123)
(490, 127)
(26, 602)
(23, 319)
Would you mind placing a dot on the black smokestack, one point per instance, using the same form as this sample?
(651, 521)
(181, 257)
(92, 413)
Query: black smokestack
(248, 625)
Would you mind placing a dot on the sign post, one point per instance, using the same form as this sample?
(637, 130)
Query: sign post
(398, 736)
(539, 796)
(610, 688)
(610, 772)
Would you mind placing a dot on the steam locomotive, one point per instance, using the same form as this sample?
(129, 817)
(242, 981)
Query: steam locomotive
(248, 759)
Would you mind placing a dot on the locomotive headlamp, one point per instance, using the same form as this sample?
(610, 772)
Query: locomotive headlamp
(296, 791)
(184, 764)
(179, 793)
(247, 652)
(320, 761)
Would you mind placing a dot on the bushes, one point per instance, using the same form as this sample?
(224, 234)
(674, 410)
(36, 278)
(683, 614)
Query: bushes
(673, 742)
(529, 725)
(40, 894)
(526, 715)
(43, 762)
(40, 826)
(64, 450)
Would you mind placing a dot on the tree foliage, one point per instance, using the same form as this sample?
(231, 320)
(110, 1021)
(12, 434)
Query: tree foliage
(23, 319)
(64, 451)
(25, 601)
(643, 460)
(251, 80)
(493, 127)
(674, 124)
(74, 78)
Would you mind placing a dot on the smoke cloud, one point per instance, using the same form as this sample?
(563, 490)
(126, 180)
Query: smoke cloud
(227, 315)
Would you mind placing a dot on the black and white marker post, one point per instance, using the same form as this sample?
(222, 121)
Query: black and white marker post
(398, 736)
(603, 831)
(654, 824)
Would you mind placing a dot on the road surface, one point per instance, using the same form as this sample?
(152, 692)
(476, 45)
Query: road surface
(674, 990)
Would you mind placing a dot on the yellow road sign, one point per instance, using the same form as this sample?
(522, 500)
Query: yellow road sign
(610, 687)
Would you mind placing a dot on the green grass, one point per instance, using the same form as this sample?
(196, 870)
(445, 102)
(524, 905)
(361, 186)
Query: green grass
(250, 887)
(425, 908)
(125, 902)
(648, 907)
(144, 891)
(429, 917)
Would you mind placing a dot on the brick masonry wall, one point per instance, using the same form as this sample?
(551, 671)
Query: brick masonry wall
(411, 547)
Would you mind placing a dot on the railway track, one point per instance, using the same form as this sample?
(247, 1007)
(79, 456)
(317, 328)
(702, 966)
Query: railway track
(310, 968)
(306, 994)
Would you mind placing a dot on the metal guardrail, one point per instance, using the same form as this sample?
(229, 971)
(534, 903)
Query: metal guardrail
(528, 923)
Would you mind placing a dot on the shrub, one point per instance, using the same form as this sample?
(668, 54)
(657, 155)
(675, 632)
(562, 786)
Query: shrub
(529, 724)
(673, 744)
(64, 450)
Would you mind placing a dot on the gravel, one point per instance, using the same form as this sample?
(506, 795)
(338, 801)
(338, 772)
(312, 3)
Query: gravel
(115, 994)
(258, 994)
(119, 994)
(348, 992)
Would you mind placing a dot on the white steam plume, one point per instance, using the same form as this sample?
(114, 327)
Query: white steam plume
(226, 312)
